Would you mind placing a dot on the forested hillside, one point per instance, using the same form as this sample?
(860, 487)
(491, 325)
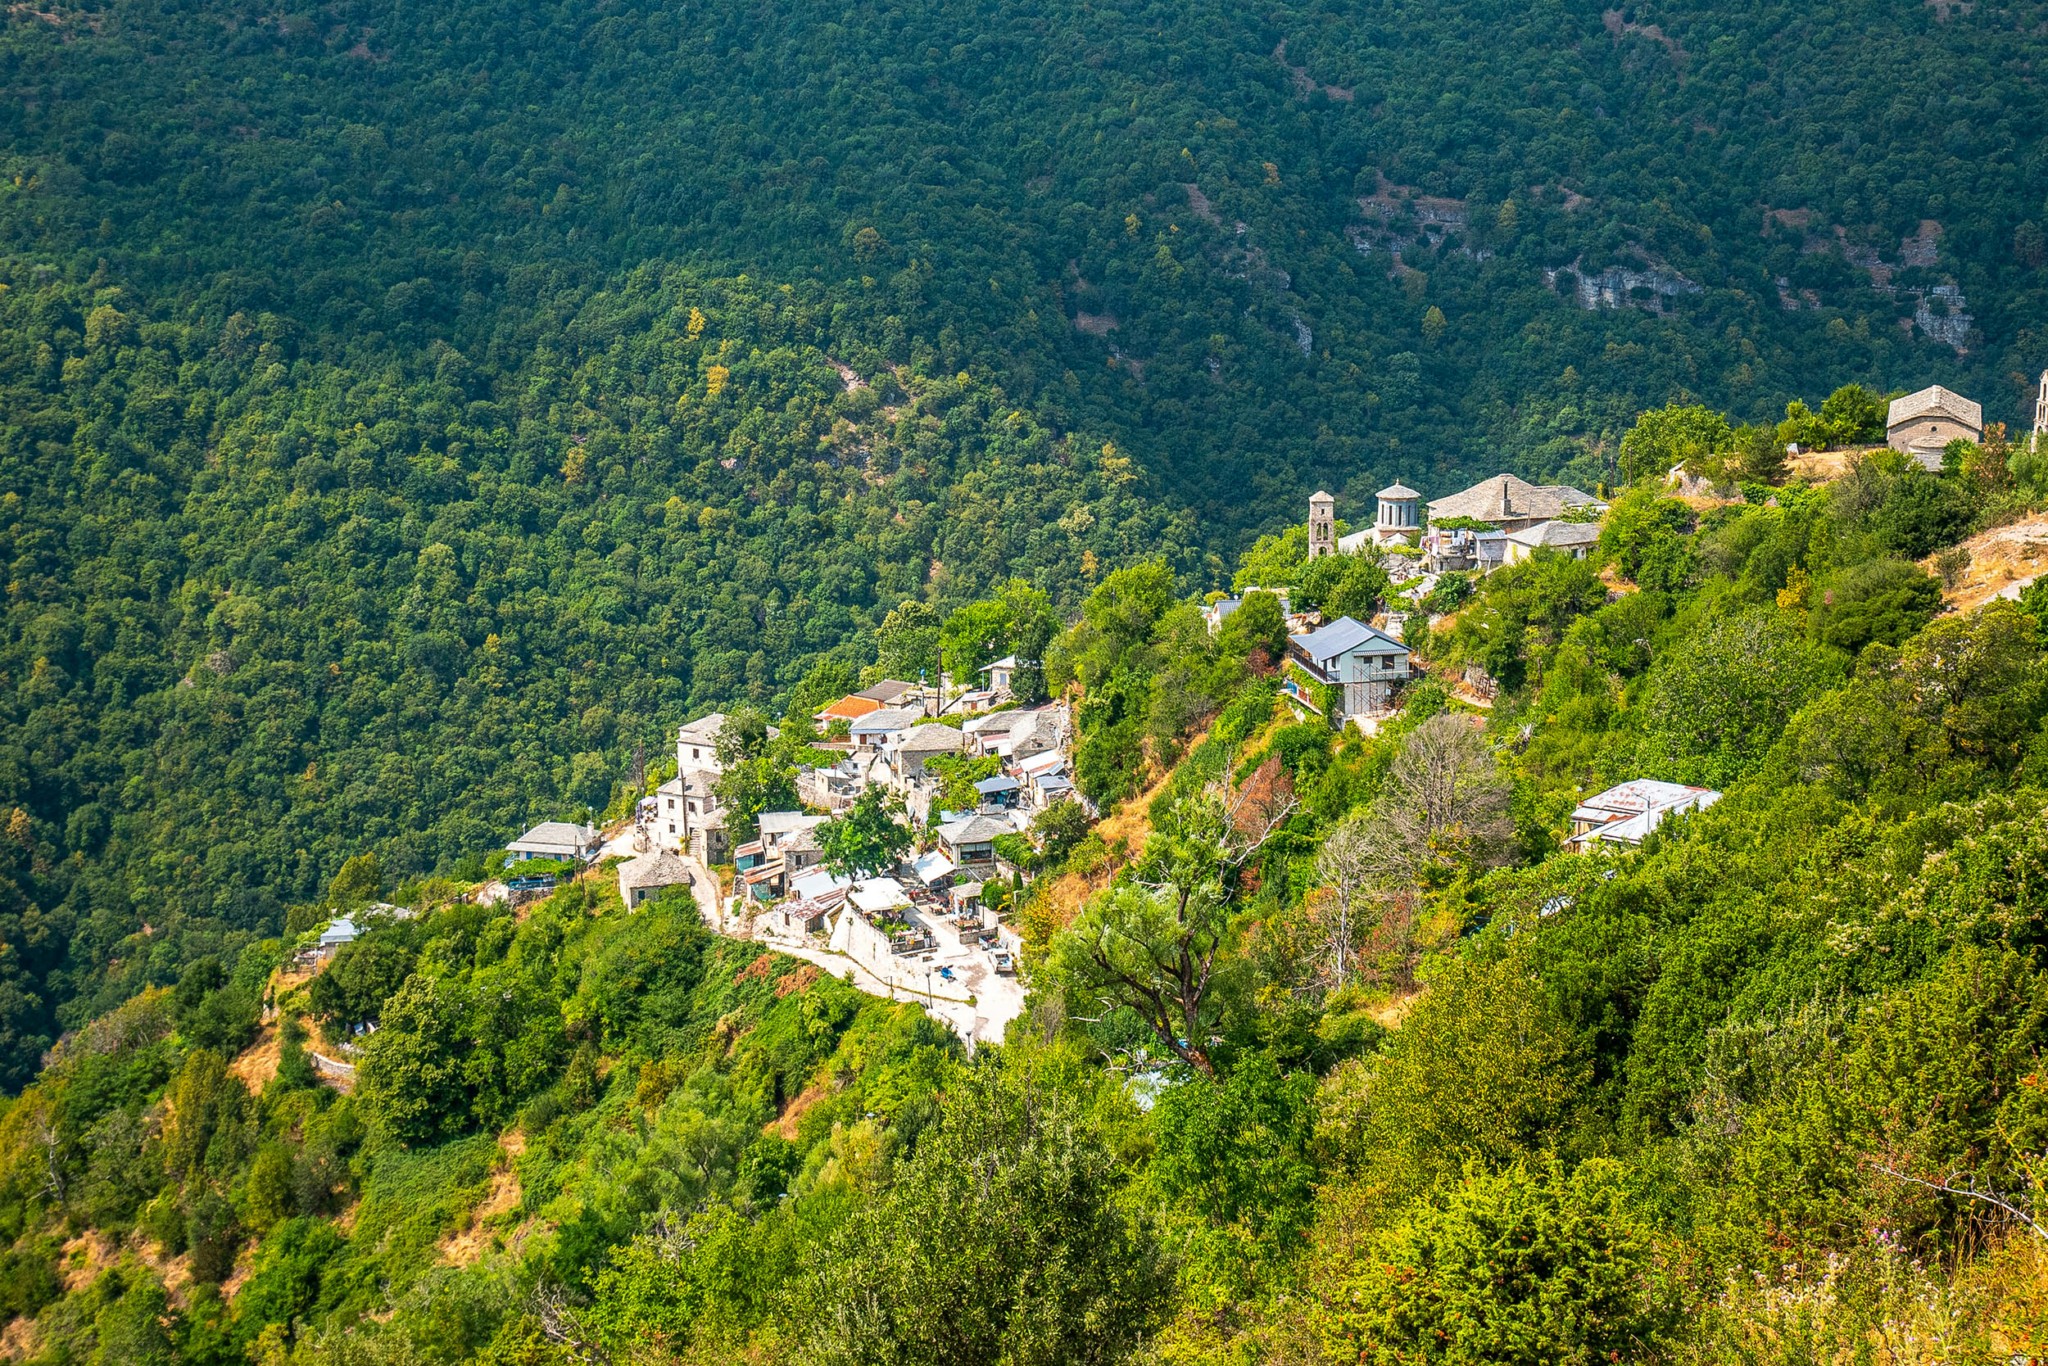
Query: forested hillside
(1335, 1052)
(370, 482)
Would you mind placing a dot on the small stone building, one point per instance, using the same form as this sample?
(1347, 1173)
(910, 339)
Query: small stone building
(1923, 424)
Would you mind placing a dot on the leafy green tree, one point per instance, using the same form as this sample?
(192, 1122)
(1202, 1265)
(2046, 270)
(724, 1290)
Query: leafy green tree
(359, 979)
(868, 838)
(957, 775)
(1001, 1239)
(412, 1071)
(1516, 1267)
(1060, 826)
(759, 773)
(360, 881)
(908, 643)
(1853, 415)
(1342, 586)
(132, 1330)
(1274, 560)
(1233, 1162)
(1645, 530)
(1880, 600)
(1671, 435)
(1483, 1069)
(972, 636)
(1033, 625)
(1117, 621)
(1716, 702)
(1257, 624)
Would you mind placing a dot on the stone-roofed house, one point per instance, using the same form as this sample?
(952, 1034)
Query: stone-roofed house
(878, 729)
(778, 828)
(1923, 424)
(1512, 504)
(1367, 665)
(1575, 539)
(697, 744)
(920, 743)
(970, 842)
(688, 818)
(557, 840)
(644, 878)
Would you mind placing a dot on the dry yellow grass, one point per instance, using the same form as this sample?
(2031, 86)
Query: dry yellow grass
(1821, 467)
(2003, 560)
(469, 1243)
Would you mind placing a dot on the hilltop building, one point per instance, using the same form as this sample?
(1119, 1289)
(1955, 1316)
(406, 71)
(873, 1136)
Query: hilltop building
(1322, 525)
(1575, 539)
(1397, 523)
(1922, 424)
(1515, 504)
(557, 840)
(1399, 520)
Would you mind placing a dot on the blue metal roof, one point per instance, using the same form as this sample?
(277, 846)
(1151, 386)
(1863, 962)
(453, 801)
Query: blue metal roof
(1344, 635)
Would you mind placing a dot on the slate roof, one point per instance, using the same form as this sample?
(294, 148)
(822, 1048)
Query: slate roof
(932, 739)
(665, 869)
(1396, 492)
(886, 720)
(973, 830)
(1557, 534)
(886, 691)
(776, 824)
(1934, 401)
(552, 835)
(704, 730)
(1506, 498)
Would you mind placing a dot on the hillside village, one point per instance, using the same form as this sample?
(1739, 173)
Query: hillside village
(929, 919)
(931, 925)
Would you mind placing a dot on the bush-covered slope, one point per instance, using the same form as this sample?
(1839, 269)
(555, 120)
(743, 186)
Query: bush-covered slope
(369, 483)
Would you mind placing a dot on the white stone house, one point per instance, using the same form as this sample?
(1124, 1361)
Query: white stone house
(644, 878)
(1575, 539)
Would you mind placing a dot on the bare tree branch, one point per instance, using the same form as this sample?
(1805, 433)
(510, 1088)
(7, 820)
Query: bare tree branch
(1948, 1186)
